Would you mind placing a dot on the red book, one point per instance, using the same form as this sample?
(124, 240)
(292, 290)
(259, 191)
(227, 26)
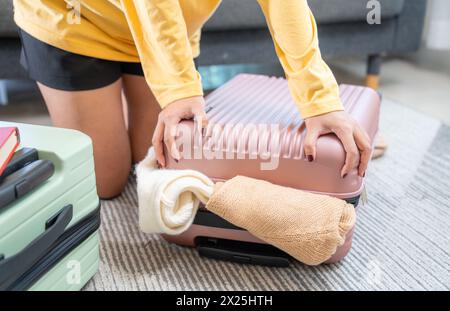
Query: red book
(9, 141)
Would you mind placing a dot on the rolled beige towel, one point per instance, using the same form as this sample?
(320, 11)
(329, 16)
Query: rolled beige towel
(307, 226)
(169, 199)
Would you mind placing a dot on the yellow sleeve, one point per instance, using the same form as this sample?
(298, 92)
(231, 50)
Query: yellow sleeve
(195, 43)
(160, 34)
(294, 32)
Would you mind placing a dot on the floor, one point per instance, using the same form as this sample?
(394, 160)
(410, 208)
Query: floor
(420, 81)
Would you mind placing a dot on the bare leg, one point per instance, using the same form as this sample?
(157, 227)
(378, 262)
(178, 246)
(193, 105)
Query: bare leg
(97, 113)
(125, 109)
(143, 111)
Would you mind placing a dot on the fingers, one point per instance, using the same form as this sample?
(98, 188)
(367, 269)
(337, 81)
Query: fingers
(170, 133)
(363, 142)
(157, 142)
(168, 120)
(200, 118)
(351, 159)
(310, 144)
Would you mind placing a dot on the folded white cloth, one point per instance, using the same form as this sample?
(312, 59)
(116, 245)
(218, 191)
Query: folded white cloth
(169, 199)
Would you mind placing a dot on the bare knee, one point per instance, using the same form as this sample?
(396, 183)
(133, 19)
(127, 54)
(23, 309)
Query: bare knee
(112, 168)
(140, 152)
(108, 191)
(111, 181)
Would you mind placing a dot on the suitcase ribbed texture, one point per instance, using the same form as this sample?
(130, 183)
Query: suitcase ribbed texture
(255, 130)
(268, 109)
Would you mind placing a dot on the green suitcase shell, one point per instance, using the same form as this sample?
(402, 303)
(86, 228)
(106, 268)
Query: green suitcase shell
(49, 238)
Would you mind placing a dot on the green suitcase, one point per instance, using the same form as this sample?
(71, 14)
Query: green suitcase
(49, 237)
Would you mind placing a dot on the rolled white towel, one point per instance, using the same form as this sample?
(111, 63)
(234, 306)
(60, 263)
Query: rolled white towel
(169, 199)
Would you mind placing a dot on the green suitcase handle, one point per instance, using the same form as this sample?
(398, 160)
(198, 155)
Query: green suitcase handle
(14, 267)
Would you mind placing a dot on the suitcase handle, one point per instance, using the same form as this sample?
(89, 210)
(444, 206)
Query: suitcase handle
(243, 257)
(15, 266)
(241, 252)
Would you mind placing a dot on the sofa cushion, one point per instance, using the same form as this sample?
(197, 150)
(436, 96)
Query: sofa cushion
(338, 11)
(246, 14)
(7, 25)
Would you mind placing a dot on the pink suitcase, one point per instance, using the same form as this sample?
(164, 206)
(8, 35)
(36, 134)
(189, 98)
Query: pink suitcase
(255, 130)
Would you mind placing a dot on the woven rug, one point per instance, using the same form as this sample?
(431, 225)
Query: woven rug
(402, 241)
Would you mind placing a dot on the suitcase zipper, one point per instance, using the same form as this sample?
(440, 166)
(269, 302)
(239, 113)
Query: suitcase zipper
(71, 239)
(205, 218)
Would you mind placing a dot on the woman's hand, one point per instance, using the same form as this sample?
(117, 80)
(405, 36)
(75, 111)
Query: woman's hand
(355, 140)
(166, 128)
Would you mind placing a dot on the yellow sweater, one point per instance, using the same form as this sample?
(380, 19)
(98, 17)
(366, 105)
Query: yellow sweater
(163, 35)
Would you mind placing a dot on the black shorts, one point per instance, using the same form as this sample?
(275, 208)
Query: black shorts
(67, 71)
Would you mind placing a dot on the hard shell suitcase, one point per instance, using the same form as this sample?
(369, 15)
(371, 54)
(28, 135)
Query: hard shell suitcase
(49, 236)
(255, 130)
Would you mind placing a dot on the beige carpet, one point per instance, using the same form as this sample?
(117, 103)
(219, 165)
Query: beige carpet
(402, 241)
